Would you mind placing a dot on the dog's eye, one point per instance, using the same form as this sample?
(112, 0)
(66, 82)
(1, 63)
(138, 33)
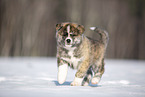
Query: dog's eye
(73, 35)
(65, 34)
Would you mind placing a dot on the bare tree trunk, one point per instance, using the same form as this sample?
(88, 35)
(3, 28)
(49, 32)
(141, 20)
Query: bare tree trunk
(27, 27)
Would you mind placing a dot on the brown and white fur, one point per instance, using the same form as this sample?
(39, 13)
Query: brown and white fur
(81, 53)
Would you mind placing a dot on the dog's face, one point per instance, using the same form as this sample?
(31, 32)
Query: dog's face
(69, 34)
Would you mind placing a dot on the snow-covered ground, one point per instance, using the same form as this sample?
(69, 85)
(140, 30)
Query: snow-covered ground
(37, 77)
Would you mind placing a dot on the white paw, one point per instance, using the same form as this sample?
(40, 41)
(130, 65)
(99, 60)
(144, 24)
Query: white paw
(86, 84)
(95, 80)
(77, 82)
(62, 73)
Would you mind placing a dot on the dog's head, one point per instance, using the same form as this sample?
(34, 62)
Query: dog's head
(69, 34)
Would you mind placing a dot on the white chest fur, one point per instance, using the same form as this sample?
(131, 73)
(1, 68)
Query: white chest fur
(72, 60)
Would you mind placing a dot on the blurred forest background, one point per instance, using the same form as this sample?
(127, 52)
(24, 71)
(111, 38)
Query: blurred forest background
(27, 27)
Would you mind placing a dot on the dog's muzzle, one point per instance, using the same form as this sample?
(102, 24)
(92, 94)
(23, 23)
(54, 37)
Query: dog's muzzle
(68, 41)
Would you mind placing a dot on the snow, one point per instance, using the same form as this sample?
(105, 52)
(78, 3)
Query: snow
(37, 77)
(121, 82)
(2, 79)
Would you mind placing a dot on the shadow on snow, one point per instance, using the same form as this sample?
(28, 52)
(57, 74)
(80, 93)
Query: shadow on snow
(67, 83)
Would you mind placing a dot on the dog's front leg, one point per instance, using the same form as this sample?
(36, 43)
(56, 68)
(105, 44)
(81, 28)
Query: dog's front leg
(62, 71)
(80, 73)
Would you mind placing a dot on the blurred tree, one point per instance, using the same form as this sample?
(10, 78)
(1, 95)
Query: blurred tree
(27, 27)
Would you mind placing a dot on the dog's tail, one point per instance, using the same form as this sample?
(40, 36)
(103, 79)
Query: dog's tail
(103, 34)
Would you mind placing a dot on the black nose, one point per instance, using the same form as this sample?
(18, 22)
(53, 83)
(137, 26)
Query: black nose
(68, 40)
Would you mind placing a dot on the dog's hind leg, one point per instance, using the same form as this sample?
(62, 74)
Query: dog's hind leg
(98, 69)
(88, 77)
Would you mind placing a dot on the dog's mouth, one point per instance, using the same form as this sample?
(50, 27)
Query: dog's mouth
(68, 45)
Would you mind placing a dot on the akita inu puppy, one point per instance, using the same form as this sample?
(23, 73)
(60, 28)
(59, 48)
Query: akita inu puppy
(81, 53)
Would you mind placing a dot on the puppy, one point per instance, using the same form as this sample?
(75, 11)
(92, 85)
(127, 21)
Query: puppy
(81, 53)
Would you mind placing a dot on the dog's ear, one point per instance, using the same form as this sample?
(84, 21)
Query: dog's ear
(81, 29)
(58, 27)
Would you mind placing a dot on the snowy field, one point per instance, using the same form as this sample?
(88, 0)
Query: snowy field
(37, 77)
